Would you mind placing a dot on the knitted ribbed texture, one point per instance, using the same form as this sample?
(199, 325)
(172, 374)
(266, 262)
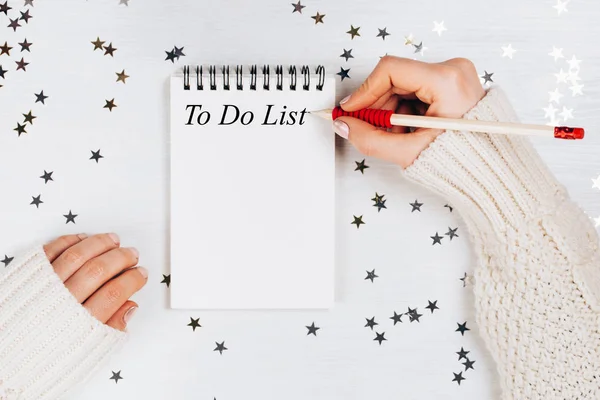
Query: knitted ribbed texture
(537, 279)
(48, 341)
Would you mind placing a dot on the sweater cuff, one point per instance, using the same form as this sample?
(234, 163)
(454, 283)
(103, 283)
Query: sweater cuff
(48, 341)
(497, 182)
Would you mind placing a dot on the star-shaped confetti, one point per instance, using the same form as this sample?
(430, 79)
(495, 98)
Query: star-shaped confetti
(20, 129)
(416, 206)
(439, 27)
(109, 50)
(562, 76)
(487, 77)
(361, 166)
(462, 328)
(382, 33)
(170, 56)
(380, 337)
(25, 45)
(70, 217)
(98, 44)
(116, 376)
(29, 3)
(413, 315)
(549, 111)
(508, 51)
(436, 239)
(14, 23)
(5, 49)
(298, 7)
(596, 183)
(347, 54)
(2, 72)
(371, 323)
(166, 280)
(555, 96)
(396, 317)
(353, 31)
(419, 48)
(566, 113)
(178, 52)
(379, 202)
(4, 8)
(556, 53)
(462, 354)
(194, 323)
(458, 378)
(344, 73)
(468, 364)
(561, 6)
(464, 279)
(357, 221)
(408, 40)
(125, 2)
(371, 276)
(110, 104)
(432, 306)
(36, 201)
(451, 232)
(22, 64)
(29, 117)
(576, 90)
(318, 18)
(40, 97)
(573, 63)
(312, 329)
(122, 76)
(25, 16)
(220, 347)
(96, 156)
(47, 176)
(7, 260)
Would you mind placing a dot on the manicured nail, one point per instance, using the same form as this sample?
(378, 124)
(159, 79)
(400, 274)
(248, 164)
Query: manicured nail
(341, 128)
(135, 252)
(114, 237)
(345, 99)
(129, 313)
(143, 271)
(82, 236)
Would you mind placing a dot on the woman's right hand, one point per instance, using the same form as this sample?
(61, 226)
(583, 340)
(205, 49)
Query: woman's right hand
(446, 89)
(99, 274)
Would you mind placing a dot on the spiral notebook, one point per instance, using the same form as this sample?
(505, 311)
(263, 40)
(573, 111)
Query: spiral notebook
(252, 188)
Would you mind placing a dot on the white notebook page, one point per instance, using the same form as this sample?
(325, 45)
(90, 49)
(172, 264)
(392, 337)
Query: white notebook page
(252, 206)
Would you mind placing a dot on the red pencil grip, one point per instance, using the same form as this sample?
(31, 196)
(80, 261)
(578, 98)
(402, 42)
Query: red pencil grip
(379, 118)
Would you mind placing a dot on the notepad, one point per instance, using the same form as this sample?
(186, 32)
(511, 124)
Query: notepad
(252, 188)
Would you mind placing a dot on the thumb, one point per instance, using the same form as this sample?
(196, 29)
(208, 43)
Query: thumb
(398, 148)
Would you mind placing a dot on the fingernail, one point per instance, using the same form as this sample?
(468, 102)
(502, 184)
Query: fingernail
(143, 271)
(135, 252)
(114, 237)
(341, 128)
(82, 236)
(129, 313)
(345, 99)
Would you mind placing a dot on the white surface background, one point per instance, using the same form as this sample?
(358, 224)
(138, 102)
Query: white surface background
(270, 356)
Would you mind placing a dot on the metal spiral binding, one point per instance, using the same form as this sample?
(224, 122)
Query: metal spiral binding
(292, 73)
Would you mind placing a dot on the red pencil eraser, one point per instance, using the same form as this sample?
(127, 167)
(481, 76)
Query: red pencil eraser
(565, 132)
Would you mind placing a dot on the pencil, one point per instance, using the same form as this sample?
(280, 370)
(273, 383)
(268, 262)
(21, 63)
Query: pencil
(387, 119)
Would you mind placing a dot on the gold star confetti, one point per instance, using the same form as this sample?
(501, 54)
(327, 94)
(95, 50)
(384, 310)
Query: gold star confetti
(121, 76)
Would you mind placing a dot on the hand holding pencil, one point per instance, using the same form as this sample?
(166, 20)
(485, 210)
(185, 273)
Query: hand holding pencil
(431, 96)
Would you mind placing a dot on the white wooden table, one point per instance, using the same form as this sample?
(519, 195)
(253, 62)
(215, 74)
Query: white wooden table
(270, 356)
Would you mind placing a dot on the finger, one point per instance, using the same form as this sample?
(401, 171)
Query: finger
(398, 149)
(383, 100)
(97, 271)
(405, 107)
(402, 75)
(57, 246)
(123, 315)
(75, 256)
(114, 293)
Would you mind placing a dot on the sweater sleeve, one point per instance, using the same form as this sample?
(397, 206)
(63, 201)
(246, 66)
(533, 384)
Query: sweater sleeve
(48, 341)
(537, 278)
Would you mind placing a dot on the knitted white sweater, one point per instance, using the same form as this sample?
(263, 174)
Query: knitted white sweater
(537, 287)
(537, 279)
(48, 341)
